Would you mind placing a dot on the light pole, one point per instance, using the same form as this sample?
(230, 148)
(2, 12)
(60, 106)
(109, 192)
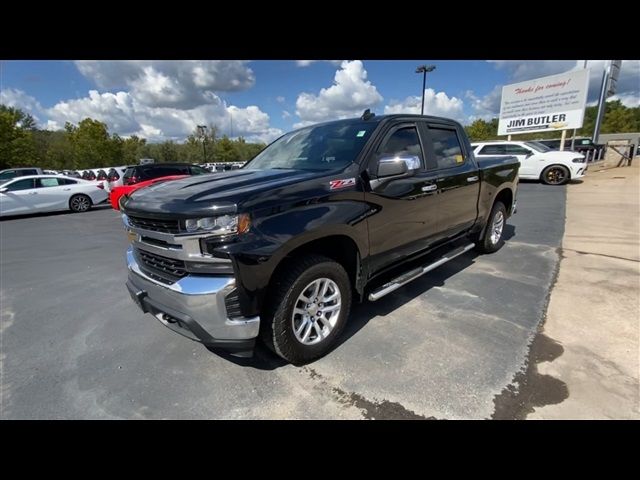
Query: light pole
(423, 69)
(202, 130)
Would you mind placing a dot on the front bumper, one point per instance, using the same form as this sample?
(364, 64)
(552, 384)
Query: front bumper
(579, 171)
(194, 306)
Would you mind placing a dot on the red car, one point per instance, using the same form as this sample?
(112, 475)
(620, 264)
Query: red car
(123, 192)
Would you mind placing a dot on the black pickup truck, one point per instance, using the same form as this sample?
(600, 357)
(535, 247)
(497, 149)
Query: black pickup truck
(325, 215)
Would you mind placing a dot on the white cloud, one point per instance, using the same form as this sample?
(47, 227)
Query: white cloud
(280, 99)
(169, 83)
(485, 107)
(438, 104)
(126, 115)
(306, 63)
(13, 97)
(350, 94)
(285, 114)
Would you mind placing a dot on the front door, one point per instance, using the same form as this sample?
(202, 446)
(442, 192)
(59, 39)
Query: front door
(405, 217)
(20, 197)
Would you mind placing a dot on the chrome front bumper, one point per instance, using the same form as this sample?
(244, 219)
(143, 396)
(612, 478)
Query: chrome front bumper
(194, 306)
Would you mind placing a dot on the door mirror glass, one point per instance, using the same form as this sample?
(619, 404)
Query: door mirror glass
(389, 166)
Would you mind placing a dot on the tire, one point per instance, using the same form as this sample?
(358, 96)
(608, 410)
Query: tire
(492, 241)
(555, 175)
(286, 311)
(80, 203)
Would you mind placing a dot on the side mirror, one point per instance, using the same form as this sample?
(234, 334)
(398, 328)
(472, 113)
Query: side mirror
(391, 166)
(5, 189)
(528, 155)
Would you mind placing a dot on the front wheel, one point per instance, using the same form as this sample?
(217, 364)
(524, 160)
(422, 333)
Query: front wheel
(308, 310)
(80, 203)
(555, 175)
(494, 233)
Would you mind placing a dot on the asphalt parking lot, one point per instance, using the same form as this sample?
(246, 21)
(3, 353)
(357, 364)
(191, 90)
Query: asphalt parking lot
(445, 346)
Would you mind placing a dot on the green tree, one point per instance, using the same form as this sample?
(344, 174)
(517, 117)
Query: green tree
(17, 147)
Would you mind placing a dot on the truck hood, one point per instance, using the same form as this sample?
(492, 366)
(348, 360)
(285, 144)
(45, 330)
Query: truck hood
(217, 192)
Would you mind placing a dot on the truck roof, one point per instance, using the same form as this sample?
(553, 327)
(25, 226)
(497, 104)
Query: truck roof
(380, 118)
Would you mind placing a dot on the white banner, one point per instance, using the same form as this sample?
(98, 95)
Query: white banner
(556, 102)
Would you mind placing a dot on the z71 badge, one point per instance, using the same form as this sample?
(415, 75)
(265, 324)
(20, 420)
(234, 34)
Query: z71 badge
(347, 182)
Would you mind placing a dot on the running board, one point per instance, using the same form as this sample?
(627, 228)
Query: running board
(405, 278)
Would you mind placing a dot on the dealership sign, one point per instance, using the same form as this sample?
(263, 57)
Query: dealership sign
(550, 103)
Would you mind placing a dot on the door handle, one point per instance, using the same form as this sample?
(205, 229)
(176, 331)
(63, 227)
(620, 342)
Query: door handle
(33, 193)
(66, 189)
(430, 188)
(475, 178)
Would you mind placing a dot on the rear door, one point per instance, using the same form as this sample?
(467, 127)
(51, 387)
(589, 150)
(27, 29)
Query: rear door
(457, 178)
(406, 206)
(53, 194)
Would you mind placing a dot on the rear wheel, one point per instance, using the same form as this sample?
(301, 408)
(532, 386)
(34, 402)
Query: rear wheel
(494, 234)
(308, 310)
(555, 175)
(80, 203)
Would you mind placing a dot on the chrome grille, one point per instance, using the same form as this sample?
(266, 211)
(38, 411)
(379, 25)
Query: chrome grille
(163, 269)
(164, 226)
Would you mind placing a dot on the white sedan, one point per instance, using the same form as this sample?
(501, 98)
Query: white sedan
(537, 161)
(49, 193)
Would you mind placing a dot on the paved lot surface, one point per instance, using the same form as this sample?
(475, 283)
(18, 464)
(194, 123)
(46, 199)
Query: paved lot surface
(75, 346)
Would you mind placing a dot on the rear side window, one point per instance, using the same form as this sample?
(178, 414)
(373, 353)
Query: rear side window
(8, 174)
(49, 182)
(67, 181)
(196, 170)
(129, 172)
(446, 147)
(517, 150)
(493, 150)
(113, 175)
(21, 185)
(29, 172)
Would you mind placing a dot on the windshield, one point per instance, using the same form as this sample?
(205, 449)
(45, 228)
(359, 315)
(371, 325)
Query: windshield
(321, 147)
(538, 147)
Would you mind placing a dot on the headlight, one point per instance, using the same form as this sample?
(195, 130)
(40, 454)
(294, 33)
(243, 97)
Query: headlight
(223, 225)
(578, 160)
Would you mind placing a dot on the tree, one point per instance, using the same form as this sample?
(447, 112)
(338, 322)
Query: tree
(17, 147)
(481, 130)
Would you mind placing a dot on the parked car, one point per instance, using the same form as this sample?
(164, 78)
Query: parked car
(89, 175)
(10, 173)
(120, 194)
(324, 216)
(101, 175)
(140, 173)
(537, 161)
(115, 176)
(71, 173)
(48, 193)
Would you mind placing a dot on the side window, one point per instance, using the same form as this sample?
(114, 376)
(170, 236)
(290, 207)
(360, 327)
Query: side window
(67, 181)
(8, 174)
(48, 182)
(21, 185)
(195, 170)
(446, 147)
(493, 150)
(517, 150)
(404, 141)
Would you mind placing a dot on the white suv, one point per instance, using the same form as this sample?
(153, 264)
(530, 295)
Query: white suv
(537, 161)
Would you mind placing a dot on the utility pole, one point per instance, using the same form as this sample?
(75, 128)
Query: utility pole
(424, 69)
(601, 105)
(202, 131)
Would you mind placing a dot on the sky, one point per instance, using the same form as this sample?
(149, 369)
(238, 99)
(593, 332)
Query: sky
(262, 99)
